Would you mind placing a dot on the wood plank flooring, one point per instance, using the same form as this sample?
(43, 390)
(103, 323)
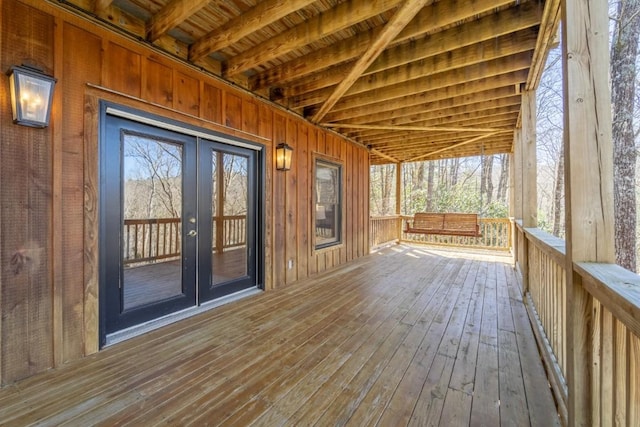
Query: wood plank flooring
(408, 336)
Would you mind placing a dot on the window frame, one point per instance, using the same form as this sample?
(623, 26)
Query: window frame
(330, 162)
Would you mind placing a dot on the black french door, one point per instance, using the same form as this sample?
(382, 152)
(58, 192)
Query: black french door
(227, 247)
(178, 221)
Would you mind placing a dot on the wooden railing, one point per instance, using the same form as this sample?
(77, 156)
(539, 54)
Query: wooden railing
(496, 234)
(611, 319)
(384, 229)
(155, 239)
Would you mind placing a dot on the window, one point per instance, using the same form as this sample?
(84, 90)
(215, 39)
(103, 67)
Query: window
(328, 203)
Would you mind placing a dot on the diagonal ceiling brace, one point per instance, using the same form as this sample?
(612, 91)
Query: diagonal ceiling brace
(396, 24)
(460, 144)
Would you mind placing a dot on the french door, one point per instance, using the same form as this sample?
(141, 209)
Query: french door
(179, 221)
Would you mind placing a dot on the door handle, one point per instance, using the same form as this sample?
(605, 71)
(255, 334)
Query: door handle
(192, 233)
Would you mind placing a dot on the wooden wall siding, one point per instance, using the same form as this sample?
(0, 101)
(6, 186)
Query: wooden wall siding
(25, 210)
(49, 178)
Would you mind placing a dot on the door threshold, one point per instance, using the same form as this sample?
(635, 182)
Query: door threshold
(154, 324)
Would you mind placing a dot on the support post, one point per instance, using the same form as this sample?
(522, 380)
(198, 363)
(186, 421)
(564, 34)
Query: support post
(512, 207)
(517, 153)
(529, 178)
(588, 181)
(398, 199)
(529, 165)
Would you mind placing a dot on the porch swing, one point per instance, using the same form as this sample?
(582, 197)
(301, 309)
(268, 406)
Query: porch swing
(447, 223)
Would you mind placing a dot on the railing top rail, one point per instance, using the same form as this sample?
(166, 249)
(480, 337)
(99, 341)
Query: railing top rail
(617, 288)
(553, 246)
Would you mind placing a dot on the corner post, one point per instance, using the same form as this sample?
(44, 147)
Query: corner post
(398, 200)
(529, 177)
(588, 181)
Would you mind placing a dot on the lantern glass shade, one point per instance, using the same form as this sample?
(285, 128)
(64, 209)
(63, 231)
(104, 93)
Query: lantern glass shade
(31, 96)
(283, 157)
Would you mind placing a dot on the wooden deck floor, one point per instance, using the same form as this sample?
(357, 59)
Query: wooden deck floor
(406, 336)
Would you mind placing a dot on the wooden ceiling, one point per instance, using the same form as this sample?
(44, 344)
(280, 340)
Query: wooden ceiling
(411, 80)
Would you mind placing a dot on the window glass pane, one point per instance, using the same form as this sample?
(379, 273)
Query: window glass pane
(152, 228)
(328, 203)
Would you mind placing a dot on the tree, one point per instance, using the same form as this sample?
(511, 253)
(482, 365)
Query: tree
(503, 181)
(624, 52)
(486, 185)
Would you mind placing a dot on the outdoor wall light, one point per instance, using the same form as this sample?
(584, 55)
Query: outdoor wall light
(31, 96)
(283, 156)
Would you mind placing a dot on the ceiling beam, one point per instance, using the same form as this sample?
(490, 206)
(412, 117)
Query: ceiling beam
(263, 14)
(171, 15)
(514, 18)
(338, 18)
(452, 114)
(477, 102)
(385, 156)
(413, 150)
(100, 6)
(478, 138)
(502, 85)
(500, 47)
(397, 22)
(500, 121)
(409, 128)
(461, 75)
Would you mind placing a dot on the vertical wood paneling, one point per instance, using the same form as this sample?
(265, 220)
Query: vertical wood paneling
(360, 206)
(341, 154)
(367, 189)
(249, 117)
(265, 129)
(59, 213)
(291, 225)
(312, 145)
(81, 62)
(211, 107)
(304, 204)
(186, 93)
(279, 207)
(349, 197)
(158, 83)
(122, 70)
(25, 211)
(91, 242)
(232, 110)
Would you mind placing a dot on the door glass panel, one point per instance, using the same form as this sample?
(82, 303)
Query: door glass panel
(229, 206)
(152, 227)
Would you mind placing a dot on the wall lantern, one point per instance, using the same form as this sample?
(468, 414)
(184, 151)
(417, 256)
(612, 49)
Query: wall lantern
(31, 96)
(283, 156)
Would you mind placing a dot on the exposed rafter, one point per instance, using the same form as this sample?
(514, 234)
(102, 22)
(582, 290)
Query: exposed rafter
(440, 80)
(476, 139)
(399, 20)
(172, 14)
(342, 16)
(504, 83)
(100, 6)
(500, 47)
(406, 78)
(411, 128)
(523, 16)
(263, 14)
